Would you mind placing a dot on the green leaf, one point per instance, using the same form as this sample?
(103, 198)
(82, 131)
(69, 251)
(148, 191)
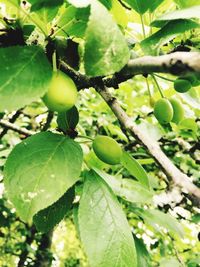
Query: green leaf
(186, 3)
(135, 169)
(192, 98)
(73, 21)
(106, 50)
(40, 170)
(68, 120)
(38, 4)
(47, 219)
(154, 217)
(194, 262)
(154, 4)
(127, 189)
(11, 6)
(143, 257)
(170, 262)
(46, 9)
(25, 76)
(187, 13)
(141, 6)
(152, 44)
(189, 124)
(196, 218)
(107, 3)
(104, 229)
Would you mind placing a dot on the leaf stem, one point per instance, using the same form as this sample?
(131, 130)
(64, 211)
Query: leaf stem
(148, 87)
(159, 89)
(143, 28)
(86, 137)
(164, 78)
(54, 62)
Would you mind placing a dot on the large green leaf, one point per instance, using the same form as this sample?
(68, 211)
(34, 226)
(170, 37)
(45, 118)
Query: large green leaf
(25, 76)
(135, 169)
(39, 171)
(187, 13)
(127, 189)
(143, 257)
(104, 230)
(156, 217)
(106, 50)
(152, 44)
(47, 218)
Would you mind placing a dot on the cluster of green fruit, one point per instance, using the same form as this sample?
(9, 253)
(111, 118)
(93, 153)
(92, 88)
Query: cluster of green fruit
(168, 110)
(62, 93)
(61, 97)
(185, 83)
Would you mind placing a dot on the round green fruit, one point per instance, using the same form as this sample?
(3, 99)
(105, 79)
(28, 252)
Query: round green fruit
(178, 110)
(182, 85)
(62, 93)
(107, 149)
(163, 111)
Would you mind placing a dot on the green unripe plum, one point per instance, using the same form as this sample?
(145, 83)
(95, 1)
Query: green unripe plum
(178, 110)
(62, 93)
(182, 85)
(163, 111)
(107, 149)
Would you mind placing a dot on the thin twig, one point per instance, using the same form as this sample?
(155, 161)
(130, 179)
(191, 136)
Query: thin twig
(48, 121)
(15, 128)
(11, 120)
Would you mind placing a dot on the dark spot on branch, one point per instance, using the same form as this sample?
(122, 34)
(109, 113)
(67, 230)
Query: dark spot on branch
(111, 101)
(178, 67)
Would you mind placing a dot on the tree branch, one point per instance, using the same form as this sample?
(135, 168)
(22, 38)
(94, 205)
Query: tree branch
(43, 254)
(153, 147)
(178, 63)
(15, 128)
(11, 120)
(29, 240)
(48, 121)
